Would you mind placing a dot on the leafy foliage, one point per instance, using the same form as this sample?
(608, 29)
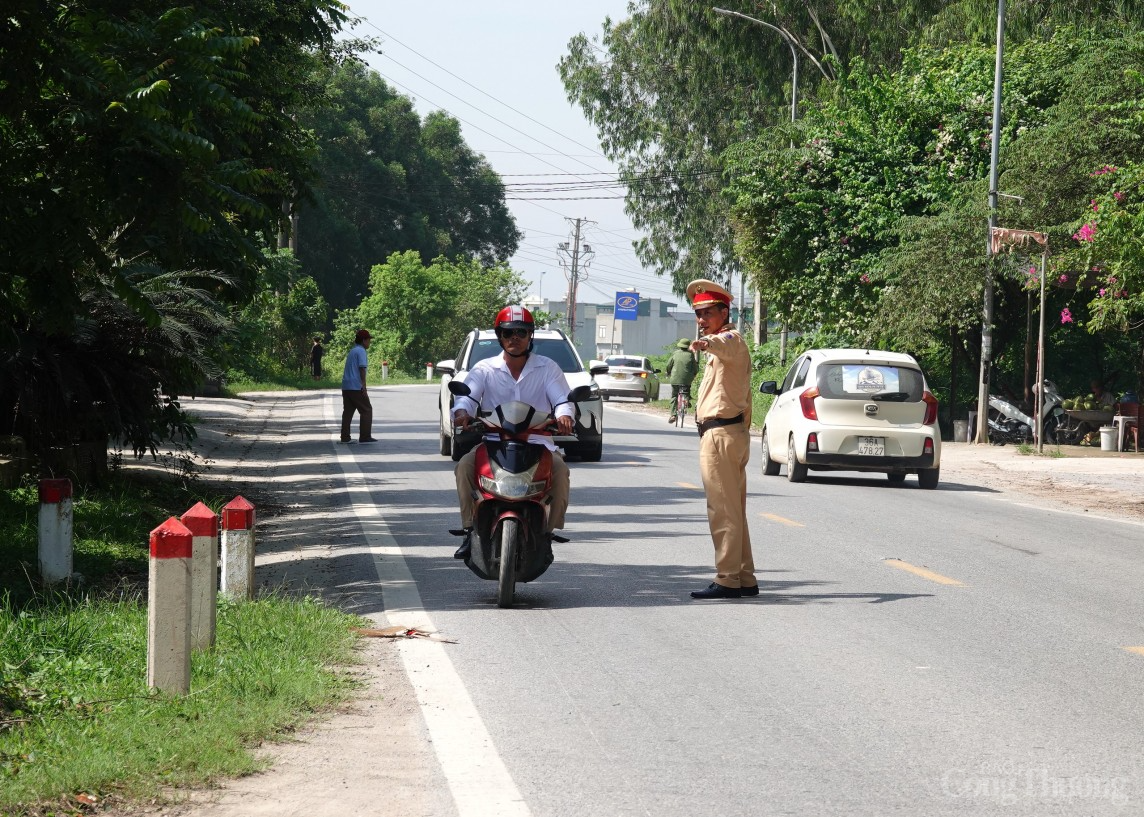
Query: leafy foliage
(140, 165)
(389, 182)
(419, 313)
(274, 331)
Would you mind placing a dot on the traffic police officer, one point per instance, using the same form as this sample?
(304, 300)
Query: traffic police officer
(723, 414)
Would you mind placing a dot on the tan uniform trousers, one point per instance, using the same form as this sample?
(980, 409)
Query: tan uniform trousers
(723, 455)
(467, 483)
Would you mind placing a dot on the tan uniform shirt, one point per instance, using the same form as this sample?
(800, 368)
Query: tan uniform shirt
(726, 388)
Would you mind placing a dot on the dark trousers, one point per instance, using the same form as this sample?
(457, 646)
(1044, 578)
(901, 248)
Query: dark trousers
(675, 390)
(357, 401)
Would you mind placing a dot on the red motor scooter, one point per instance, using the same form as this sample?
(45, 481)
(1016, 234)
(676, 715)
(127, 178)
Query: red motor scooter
(511, 542)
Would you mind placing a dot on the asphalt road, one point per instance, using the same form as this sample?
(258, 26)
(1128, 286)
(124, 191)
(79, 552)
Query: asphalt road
(917, 652)
(913, 652)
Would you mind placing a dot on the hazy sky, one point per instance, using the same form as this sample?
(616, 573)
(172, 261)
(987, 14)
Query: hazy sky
(492, 66)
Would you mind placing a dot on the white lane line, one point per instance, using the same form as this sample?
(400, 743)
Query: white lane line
(478, 779)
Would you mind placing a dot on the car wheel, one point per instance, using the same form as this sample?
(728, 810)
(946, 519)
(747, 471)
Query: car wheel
(896, 477)
(592, 453)
(796, 471)
(770, 467)
(928, 478)
(446, 445)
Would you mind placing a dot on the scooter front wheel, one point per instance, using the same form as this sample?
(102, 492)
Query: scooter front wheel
(509, 548)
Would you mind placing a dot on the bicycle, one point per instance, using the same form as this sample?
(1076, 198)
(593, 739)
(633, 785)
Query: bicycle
(682, 403)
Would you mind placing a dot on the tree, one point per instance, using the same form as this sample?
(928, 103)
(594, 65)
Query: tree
(273, 332)
(419, 313)
(390, 182)
(141, 164)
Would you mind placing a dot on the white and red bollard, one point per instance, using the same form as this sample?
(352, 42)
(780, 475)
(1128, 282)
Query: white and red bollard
(238, 549)
(428, 371)
(169, 609)
(56, 530)
(385, 370)
(202, 522)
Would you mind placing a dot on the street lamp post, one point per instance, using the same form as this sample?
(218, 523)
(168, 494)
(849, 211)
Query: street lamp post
(793, 116)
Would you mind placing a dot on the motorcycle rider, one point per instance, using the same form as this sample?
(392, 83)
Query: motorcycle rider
(516, 374)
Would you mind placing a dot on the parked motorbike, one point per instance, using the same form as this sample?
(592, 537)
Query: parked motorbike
(511, 542)
(1009, 424)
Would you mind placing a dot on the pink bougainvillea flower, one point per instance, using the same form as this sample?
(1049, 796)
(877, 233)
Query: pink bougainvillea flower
(1118, 196)
(1103, 170)
(1066, 316)
(864, 278)
(1095, 206)
(1086, 233)
(1064, 279)
(1102, 291)
(1111, 278)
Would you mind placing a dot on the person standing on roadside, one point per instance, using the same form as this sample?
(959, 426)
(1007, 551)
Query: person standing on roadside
(681, 370)
(723, 417)
(355, 397)
(316, 352)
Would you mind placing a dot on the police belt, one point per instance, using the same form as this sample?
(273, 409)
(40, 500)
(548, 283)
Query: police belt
(707, 425)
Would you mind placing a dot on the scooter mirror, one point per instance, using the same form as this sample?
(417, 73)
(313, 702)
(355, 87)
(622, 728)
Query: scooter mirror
(456, 387)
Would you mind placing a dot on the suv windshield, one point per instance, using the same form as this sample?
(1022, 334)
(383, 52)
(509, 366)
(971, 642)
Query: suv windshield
(556, 348)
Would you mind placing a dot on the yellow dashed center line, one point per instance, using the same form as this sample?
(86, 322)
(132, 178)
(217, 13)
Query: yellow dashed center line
(1137, 650)
(921, 571)
(782, 520)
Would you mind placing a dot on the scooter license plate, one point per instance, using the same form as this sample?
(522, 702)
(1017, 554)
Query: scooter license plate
(872, 446)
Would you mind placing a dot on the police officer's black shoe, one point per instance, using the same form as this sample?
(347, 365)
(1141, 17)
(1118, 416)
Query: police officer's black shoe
(466, 545)
(717, 591)
(753, 590)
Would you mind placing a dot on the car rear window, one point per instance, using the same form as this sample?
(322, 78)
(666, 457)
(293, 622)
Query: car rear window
(554, 348)
(866, 381)
(632, 362)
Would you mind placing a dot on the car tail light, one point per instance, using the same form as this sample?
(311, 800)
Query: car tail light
(642, 374)
(927, 448)
(931, 409)
(806, 400)
(812, 441)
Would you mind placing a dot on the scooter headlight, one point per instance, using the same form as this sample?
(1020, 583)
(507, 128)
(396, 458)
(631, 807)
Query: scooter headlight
(512, 486)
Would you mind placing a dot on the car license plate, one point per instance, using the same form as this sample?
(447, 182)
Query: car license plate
(872, 446)
(619, 376)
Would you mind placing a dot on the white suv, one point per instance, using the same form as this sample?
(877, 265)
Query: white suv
(853, 410)
(480, 344)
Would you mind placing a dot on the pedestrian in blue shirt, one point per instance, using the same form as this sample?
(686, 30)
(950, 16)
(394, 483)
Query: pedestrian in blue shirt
(355, 397)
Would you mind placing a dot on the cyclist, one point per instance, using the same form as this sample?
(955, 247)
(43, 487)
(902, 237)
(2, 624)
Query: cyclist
(681, 371)
(515, 375)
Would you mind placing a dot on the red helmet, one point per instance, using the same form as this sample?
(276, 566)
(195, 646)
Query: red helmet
(514, 317)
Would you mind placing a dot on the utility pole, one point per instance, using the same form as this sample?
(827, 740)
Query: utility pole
(579, 256)
(982, 435)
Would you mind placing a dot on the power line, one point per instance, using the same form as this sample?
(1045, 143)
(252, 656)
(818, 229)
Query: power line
(486, 113)
(490, 96)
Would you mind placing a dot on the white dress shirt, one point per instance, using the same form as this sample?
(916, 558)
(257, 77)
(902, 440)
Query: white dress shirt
(542, 385)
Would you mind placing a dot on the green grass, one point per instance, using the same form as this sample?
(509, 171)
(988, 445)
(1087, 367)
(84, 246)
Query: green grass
(237, 383)
(75, 713)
